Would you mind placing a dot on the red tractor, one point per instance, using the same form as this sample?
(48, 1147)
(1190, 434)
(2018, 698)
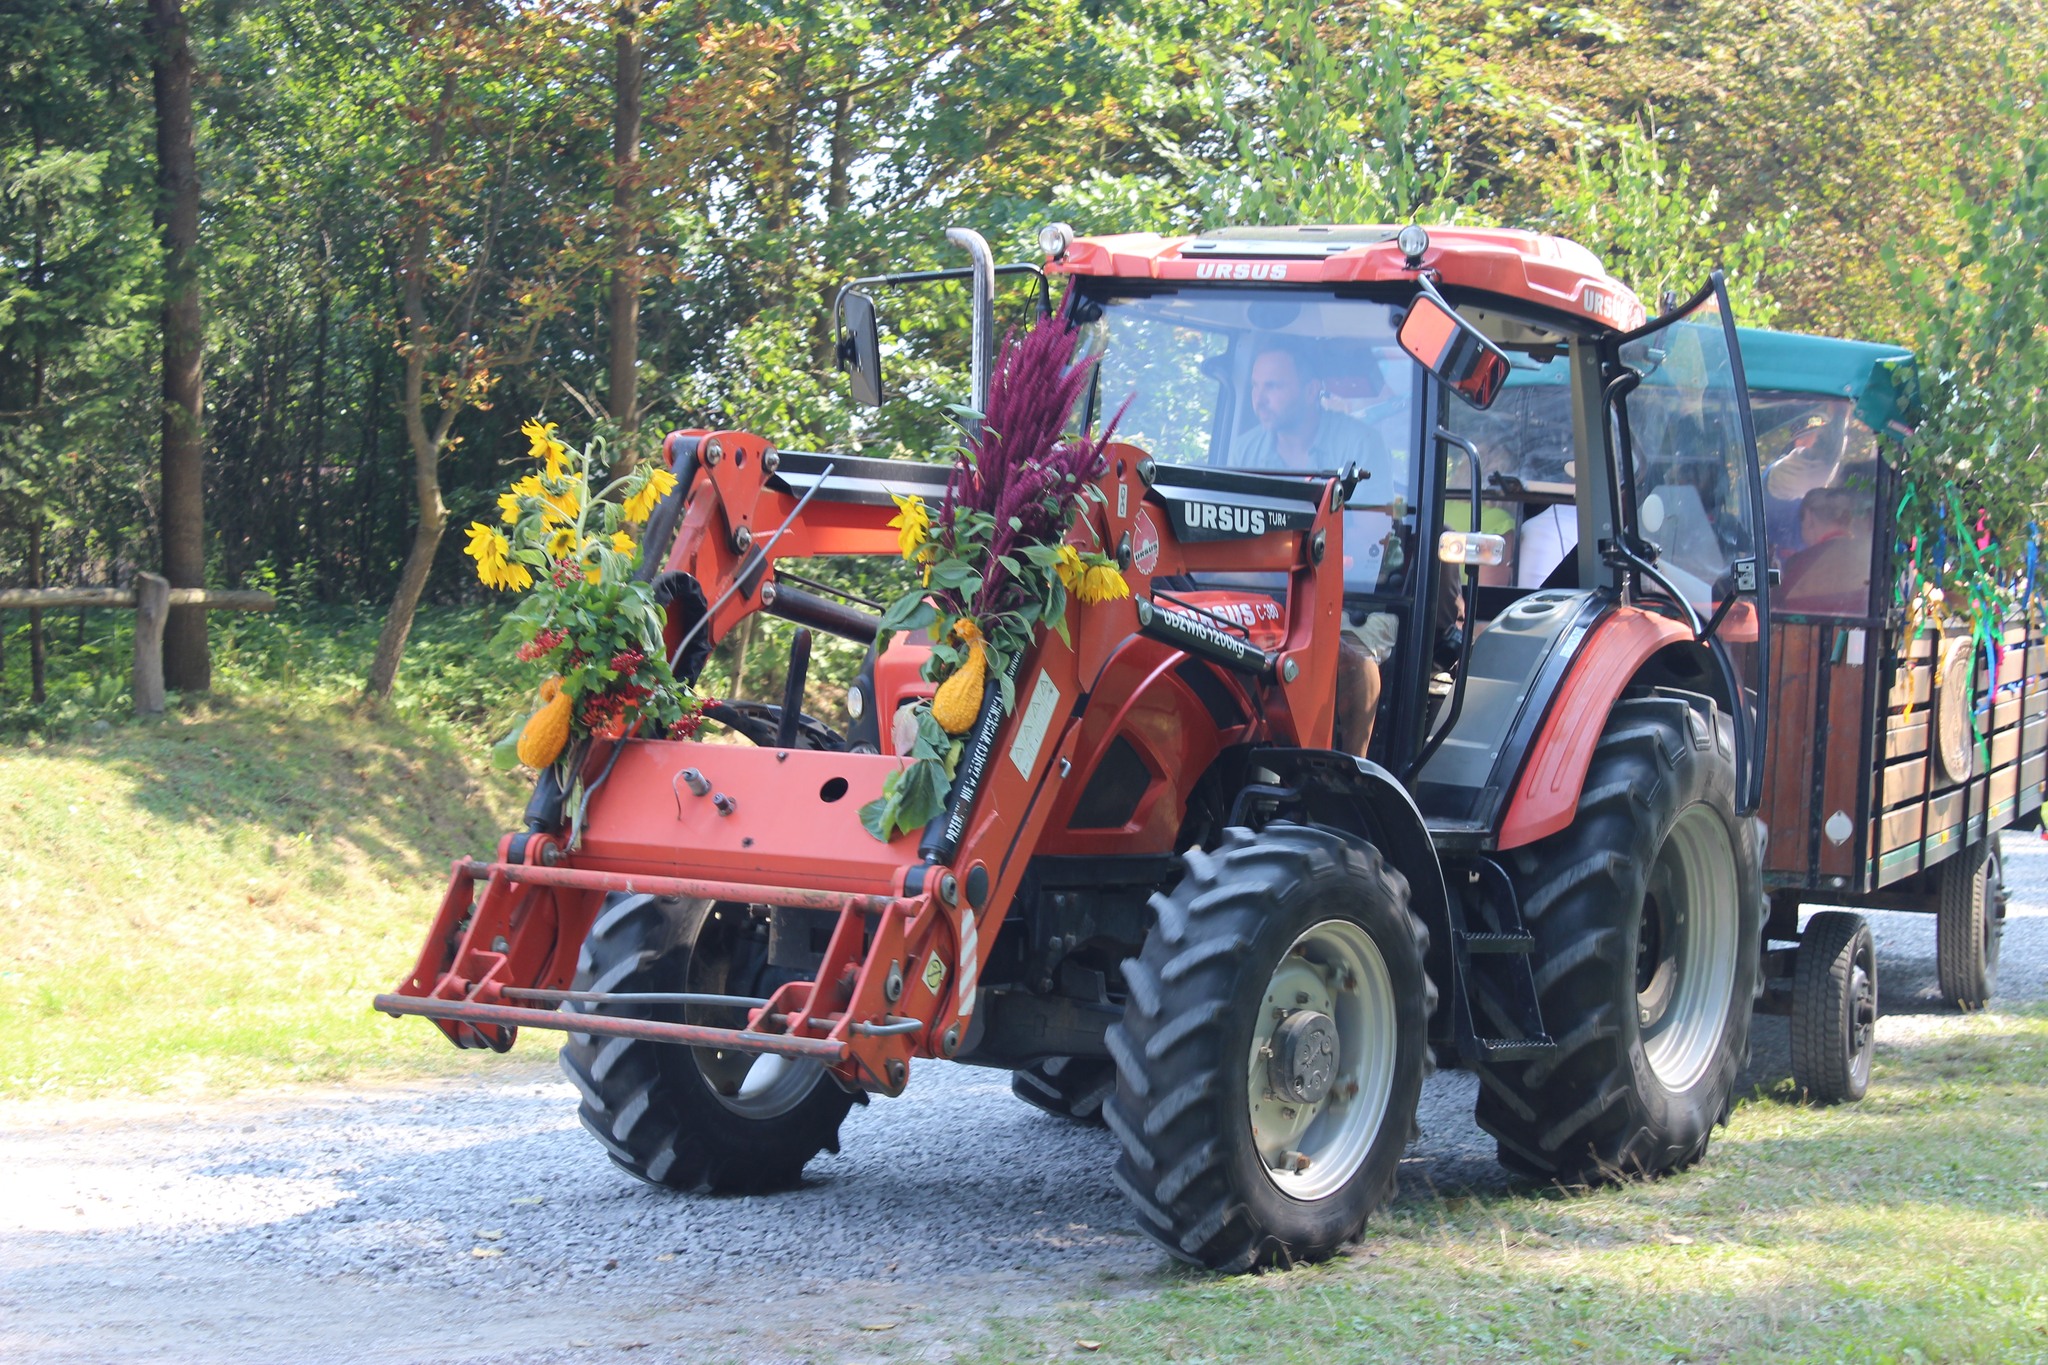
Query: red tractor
(1204, 878)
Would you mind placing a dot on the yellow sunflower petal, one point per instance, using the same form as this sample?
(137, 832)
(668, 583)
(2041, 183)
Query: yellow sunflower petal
(912, 524)
(1102, 583)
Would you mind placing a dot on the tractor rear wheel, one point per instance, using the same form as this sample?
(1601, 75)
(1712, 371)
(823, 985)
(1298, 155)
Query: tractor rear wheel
(1970, 925)
(1646, 912)
(686, 1117)
(1066, 1087)
(1272, 1048)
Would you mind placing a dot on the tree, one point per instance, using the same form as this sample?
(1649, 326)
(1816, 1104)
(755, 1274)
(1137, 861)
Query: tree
(624, 313)
(187, 667)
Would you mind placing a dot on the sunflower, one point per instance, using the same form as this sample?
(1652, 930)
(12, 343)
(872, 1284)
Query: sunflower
(1102, 583)
(495, 567)
(559, 509)
(562, 542)
(1070, 568)
(623, 542)
(641, 505)
(542, 445)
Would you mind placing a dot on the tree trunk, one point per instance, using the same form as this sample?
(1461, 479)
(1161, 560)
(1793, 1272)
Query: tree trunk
(37, 650)
(316, 505)
(625, 291)
(426, 445)
(187, 667)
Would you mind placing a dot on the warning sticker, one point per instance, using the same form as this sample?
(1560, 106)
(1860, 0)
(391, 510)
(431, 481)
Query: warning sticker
(934, 974)
(1032, 725)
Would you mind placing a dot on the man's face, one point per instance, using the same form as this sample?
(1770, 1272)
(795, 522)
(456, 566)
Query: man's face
(1281, 398)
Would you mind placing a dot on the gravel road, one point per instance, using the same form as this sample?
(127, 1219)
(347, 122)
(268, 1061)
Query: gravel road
(473, 1221)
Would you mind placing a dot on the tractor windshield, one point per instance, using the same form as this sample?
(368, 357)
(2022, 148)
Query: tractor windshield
(1272, 380)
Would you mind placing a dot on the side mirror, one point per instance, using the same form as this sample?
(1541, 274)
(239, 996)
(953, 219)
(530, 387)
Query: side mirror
(1454, 350)
(860, 346)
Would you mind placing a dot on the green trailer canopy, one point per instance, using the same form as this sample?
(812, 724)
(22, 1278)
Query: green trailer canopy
(1880, 379)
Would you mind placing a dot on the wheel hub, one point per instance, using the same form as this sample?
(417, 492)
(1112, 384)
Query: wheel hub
(1305, 1059)
(1323, 1058)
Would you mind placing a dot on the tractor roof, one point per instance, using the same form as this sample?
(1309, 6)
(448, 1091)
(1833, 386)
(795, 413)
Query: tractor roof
(1549, 272)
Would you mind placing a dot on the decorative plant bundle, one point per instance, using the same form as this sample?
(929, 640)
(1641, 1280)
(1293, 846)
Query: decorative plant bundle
(571, 550)
(996, 562)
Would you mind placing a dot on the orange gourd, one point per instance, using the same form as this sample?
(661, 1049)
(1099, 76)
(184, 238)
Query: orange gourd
(547, 730)
(958, 700)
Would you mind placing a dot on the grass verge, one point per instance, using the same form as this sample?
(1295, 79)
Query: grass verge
(1912, 1227)
(210, 900)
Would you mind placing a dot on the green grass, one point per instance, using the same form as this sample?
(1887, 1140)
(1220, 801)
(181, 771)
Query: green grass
(209, 900)
(1912, 1227)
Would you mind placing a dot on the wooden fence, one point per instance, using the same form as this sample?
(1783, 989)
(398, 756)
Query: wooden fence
(150, 599)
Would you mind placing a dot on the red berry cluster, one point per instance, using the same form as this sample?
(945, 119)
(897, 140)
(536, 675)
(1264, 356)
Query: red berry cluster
(566, 573)
(604, 715)
(543, 643)
(628, 661)
(687, 726)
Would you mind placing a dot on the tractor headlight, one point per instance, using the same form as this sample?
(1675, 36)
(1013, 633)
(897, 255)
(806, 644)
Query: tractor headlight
(1413, 241)
(1469, 547)
(1054, 239)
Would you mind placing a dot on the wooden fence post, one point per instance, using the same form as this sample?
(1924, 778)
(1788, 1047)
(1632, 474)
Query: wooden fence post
(152, 605)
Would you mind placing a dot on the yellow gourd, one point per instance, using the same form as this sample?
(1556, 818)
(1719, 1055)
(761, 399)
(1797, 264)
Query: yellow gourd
(547, 730)
(958, 700)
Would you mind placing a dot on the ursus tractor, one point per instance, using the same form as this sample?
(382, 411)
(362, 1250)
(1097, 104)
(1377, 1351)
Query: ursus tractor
(1230, 862)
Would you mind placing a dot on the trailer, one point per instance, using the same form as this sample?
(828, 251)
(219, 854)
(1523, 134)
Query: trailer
(1900, 744)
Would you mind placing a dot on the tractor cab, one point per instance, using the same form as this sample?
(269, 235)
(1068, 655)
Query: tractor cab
(1597, 453)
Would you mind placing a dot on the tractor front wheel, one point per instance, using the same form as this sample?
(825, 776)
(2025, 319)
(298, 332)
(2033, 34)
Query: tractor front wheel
(1647, 917)
(689, 1117)
(1272, 1049)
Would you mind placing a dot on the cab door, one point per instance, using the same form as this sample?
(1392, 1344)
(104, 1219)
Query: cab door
(1689, 495)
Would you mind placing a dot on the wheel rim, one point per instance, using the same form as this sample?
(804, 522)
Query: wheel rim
(751, 1085)
(1862, 1004)
(1323, 1053)
(757, 1086)
(1686, 950)
(1994, 912)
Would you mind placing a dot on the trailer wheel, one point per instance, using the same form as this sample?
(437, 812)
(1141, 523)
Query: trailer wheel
(1272, 1048)
(1834, 1007)
(1646, 912)
(1970, 925)
(685, 1117)
(1066, 1087)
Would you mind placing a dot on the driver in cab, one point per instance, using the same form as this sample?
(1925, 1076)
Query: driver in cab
(1296, 433)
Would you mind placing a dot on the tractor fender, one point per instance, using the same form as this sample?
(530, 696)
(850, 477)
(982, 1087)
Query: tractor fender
(1625, 646)
(1362, 798)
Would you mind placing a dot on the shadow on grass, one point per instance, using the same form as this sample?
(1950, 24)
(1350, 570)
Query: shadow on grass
(405, 797)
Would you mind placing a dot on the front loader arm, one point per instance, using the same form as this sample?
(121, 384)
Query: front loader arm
(917, 917)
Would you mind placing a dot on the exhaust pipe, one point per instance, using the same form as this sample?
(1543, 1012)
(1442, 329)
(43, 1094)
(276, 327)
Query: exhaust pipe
(984, 292)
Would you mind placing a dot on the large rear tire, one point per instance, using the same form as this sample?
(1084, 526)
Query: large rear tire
(1272, 1049)
(1646, 912)
(682, 1117)
(1970, 925)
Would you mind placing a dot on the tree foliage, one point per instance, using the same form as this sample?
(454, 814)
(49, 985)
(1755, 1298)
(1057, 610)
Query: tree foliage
(365, 291)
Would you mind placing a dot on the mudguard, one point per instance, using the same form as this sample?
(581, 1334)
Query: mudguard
(1544, 676)
(1360, 797)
